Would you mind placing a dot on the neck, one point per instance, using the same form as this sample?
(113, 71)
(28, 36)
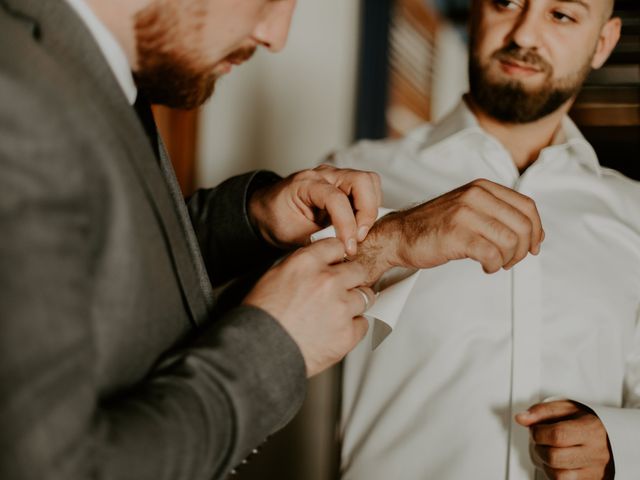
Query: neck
(523, 141)
(119, 17)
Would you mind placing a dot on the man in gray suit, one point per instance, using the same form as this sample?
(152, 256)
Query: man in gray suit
(116, 359)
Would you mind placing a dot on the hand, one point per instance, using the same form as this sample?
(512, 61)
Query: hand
(288, 212)
(482, 220)
(314, 294)
(569, 442)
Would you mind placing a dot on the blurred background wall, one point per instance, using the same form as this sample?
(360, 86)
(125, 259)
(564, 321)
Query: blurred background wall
(286, 111)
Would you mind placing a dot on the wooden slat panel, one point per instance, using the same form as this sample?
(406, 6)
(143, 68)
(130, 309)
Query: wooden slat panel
(179, 132)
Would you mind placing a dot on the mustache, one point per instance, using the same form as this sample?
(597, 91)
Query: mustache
(523, 55)
(240, 55)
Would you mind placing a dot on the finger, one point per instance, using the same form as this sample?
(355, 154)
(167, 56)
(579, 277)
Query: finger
(545, 411)
(500, 236)
(328, 251)
(508, 220)
(565, 433)
(360, 326)
(350, 274)
(486, 253)
(525, 205)
(336, 203)
(360, 300)
(533, 454)
(563, 474)
(563, 458)
(365, 192)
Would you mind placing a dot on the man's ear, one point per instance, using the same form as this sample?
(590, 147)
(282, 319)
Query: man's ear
(609, 36)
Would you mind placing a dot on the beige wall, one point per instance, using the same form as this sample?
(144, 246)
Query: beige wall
(286, 111)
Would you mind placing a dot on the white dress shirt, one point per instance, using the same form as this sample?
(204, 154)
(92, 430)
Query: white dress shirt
(111, 49)
(436, 400)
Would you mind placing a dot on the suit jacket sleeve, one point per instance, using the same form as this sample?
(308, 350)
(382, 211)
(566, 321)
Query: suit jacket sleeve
(193, 417)
(230, 245)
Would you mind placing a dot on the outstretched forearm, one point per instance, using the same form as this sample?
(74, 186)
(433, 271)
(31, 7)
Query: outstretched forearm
(482, 221)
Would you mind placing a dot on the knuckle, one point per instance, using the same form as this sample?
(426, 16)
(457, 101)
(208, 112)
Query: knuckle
(374, 177)
(306, 175)
(554, 456)
(473, 193)
(492, 254)
(490, 258)
(359, 270)
(527, 226)
(304, 260)
(336, 196)
(344, 303)
(479, 182)
(461, 213)
(530, 204)
(325, 280)
(509, 239)
(557, 436)
(565, 475)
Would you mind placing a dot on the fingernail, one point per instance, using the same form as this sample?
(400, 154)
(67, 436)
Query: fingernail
(362, 233)
(536, 250)
(352, 246)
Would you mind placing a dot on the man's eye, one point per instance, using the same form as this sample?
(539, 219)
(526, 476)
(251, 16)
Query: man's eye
(562, 17)
(506, 4)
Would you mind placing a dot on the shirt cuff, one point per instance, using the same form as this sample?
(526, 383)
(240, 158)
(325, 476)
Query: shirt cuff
(623, 429)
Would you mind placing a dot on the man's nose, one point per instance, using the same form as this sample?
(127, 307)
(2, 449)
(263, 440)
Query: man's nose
(273, 29)
(526, 32)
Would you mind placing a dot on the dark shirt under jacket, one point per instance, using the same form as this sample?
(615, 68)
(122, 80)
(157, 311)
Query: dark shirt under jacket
(114, 362)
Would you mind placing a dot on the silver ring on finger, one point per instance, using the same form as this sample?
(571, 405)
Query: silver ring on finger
(365, 297)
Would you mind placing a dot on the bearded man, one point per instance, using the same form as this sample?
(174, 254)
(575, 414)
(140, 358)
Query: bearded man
(553, 341)
(116, 359)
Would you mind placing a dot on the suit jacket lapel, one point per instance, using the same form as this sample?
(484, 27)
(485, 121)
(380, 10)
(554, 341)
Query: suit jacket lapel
(62, 33)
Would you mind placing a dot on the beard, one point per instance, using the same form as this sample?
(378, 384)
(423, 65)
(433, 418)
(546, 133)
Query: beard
(170, 72)
(510, 101)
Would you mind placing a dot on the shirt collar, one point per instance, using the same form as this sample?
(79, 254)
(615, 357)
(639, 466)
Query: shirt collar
(461, 122)
(111, 49)
(570, 137)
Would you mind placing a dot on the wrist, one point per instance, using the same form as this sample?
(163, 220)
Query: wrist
(257, 203)
(379, 250)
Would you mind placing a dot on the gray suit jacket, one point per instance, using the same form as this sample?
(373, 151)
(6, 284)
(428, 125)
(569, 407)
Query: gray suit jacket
(115, 362)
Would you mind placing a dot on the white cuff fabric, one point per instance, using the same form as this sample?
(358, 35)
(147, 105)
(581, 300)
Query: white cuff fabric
(623, 428)
(392, 291)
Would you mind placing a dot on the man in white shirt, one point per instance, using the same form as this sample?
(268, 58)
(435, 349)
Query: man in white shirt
(556, 336)
(117, 360)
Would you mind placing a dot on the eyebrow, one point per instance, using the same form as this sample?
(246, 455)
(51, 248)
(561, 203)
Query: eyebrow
(579, 2)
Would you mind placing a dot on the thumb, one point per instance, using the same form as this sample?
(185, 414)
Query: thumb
(546, 412)
(524, 418)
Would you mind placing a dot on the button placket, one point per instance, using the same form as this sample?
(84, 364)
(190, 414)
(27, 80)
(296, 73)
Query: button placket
(526, 278)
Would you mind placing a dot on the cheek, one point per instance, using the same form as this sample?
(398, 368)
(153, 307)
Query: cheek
(223, 30)
(491, 35)
(568, 52)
